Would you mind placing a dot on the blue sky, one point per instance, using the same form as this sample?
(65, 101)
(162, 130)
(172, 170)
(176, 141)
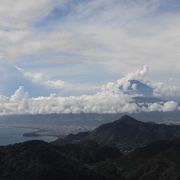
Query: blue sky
(73, 47)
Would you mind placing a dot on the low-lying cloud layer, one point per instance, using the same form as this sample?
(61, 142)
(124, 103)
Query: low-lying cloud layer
(111, 99)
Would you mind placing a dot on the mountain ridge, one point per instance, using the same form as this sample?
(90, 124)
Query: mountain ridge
(129, 133)
(126, 134)
(92, 159)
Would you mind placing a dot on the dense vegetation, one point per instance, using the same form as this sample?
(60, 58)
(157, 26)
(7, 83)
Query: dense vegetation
(84, 158)
(126, 134)
(37, 160)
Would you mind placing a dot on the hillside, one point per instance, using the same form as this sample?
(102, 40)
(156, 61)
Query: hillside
(159, 160)
(87, 159)
(126, 134)
(37, 160)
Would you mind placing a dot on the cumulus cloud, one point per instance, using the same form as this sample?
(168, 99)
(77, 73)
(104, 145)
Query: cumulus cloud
(140, 74)
(19, 95)
(159, 89)
(163, 107)
(102, 102)
(124, 83)
(163, 90)
(90, 32)
(111, 99)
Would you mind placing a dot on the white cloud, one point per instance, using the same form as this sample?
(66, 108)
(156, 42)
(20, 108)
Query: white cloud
(120, 35)
(19, 13)
(35, 43)
(58, 84)
(19, 95)
(140, 74)
(155, 107)
(35, 77)
(163, 107)
(102, 102)
(109, 100)
(40, 79)
(159, 89)
(124, 83)
(163, 90)
(170, 106)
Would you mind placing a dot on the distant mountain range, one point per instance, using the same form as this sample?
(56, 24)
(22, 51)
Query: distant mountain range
(126, 134)
(138, 87)
(141, 92)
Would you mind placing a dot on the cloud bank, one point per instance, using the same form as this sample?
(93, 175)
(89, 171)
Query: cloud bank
(103, 102)
(111, 99)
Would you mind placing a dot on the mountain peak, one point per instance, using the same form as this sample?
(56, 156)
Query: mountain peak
(128, 133)
(128, 120)
(137, 87)
(126, 117)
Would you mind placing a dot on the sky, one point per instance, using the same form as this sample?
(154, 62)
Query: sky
(74, 48)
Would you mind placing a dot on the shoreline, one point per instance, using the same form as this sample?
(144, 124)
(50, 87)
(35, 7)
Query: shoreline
(40, 133)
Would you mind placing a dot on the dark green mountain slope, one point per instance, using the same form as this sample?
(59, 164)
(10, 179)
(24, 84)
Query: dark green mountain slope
(159, 161)
(37, 160)
(86, 156)
(126, 134)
